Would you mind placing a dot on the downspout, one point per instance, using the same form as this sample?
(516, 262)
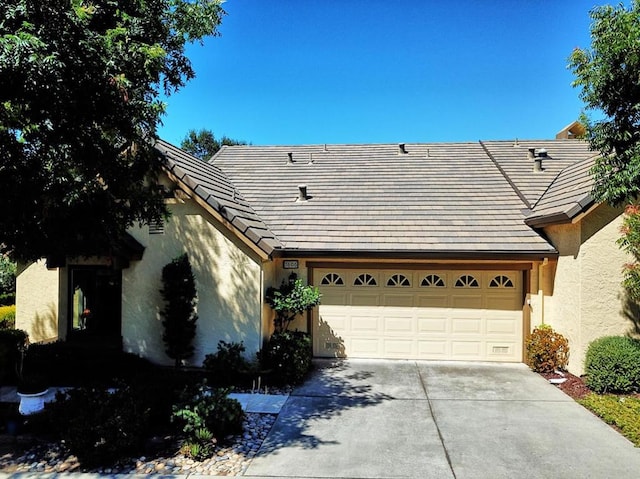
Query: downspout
(544, 263)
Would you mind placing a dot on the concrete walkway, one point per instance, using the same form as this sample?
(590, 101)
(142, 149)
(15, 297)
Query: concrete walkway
(388, 419)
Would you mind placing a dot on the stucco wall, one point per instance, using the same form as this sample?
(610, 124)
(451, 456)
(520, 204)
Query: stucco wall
(37, 304)
(586, 300)
(228, 281)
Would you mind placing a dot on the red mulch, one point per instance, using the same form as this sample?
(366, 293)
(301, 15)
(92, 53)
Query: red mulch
(574, 386)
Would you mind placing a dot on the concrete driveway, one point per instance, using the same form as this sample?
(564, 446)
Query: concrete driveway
(387, 419)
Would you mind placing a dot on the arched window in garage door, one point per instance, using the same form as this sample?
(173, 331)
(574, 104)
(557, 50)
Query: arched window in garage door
(501, 281)
(398, 280)
(332, 279)
(467, 281)
(432, 281)
(365, 279)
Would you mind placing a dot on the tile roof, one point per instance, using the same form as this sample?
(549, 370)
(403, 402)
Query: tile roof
(446, 198)
(214, 188)
(518, 168)
(568, 196)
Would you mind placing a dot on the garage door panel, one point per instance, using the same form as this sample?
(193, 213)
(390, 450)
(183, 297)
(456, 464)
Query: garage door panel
(398, 348)
(466, 349)
(432, 325)
(404, 325)
(466, 301)
(466, 326)
(365, 299)
(406, 300)
(432, 301)
(433, 349)
(430, 319)
(501, 326)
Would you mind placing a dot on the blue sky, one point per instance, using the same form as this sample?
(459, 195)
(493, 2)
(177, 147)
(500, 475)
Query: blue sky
(330, 71)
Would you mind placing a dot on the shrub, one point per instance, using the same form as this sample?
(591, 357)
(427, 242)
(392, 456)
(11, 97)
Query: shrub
(7, 299)
(547, 350)
(227, 363)
(621, 412)
(8, 317)
(211, 409)
(12, 342)
(99, 426)
(612, 364)
(179, 313)
(288, 354)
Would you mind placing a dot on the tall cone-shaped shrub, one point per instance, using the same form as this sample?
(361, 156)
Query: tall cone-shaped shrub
(179, 313)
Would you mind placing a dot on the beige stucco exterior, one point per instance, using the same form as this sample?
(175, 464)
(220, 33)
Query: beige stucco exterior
(37, 301)
(583, 297)
(229, 282)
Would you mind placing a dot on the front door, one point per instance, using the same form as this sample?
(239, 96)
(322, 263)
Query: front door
(95, 312)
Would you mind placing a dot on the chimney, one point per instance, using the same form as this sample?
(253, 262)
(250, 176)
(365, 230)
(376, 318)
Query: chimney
(302, 193)
(401, 149)
(289, 158)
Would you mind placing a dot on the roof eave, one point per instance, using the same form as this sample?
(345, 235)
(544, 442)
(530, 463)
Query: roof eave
(563, 217)
(422, 255)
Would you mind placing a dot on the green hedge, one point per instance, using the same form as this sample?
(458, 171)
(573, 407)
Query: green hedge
(612, 364)
(621, 412)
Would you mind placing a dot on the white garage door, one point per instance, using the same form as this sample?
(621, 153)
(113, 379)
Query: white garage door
(409, 314)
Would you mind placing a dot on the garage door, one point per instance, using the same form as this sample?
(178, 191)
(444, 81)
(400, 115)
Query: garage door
(450, 315)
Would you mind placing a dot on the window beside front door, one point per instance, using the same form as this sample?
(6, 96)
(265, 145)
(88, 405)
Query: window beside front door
(95, 301)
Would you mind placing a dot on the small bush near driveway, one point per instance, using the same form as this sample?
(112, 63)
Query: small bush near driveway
(612, 364)
(547, 350)
(619, 411)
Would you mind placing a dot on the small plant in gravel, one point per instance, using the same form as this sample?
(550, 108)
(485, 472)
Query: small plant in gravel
(204, 415)
(547, 350)
(621, 412)
(612, 364)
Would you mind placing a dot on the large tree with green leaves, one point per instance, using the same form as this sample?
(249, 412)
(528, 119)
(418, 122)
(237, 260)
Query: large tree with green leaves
(608, 74)
(203, 144)
(79, 107)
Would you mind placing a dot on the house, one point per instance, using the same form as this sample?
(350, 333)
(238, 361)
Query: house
(451, 251)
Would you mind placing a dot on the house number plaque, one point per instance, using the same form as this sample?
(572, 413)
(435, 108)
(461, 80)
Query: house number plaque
(290, 264)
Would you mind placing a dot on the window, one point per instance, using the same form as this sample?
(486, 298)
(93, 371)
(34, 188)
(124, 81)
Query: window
(432, 281)
(332, 279)
(398, 280)
(501, 282)
(365, 279)
(467, 281)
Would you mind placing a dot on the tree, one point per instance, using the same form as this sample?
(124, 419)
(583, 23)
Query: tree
(203, 143)
(609, 77)
(79, 108)
(291, 299)
(179, 315)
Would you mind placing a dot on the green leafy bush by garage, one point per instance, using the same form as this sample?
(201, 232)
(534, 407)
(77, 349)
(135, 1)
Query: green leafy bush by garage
(98, 425)
(612, 364)
(547, 350)
(288, 355)
(621, 412)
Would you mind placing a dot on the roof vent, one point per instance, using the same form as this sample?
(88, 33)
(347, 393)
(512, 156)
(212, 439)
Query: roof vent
(537, 159)
(428, 153)
(289, 158)
(402, 150)
(516, 144)
(311, 158)
(302, 193)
